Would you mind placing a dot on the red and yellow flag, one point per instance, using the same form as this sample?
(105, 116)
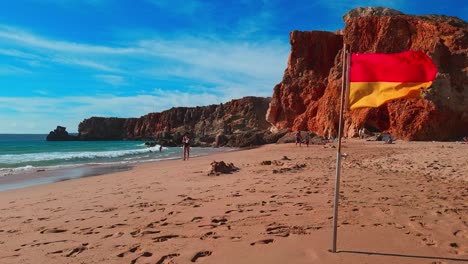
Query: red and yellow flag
(377, 78)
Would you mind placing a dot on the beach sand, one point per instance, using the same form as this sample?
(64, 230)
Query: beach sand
(400, 203)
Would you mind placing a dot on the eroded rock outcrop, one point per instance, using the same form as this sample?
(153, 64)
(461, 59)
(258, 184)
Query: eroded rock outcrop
(237, 123)
(308, 96)
(60, 134)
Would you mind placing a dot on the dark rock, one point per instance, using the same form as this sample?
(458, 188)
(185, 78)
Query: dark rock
(150, 144)
(60, 134)
(221, 167)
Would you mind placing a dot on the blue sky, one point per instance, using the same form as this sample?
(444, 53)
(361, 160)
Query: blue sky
(64, 60)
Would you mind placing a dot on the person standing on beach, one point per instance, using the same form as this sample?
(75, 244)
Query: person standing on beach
(298, 138)
(186, 146)
(307, 139)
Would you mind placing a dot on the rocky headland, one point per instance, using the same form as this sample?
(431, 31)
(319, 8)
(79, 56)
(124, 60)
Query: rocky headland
(308, 96)
(238, 123)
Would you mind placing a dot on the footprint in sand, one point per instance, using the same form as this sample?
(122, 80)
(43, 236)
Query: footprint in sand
(454, 245)
(116, 225)
(163, 259)
(135, 232)
(106, 210)
(145, 254)
(164, 238)
(201, 254)
(429, 242)
(219, 221)
(280, 230)
(262, 242)
(133, 249)
(77, 250)
(415, 217)
(115, 235)
(150, 232)
(208, 235)
(196, 218)
(459, 233)
(56, 252)
(53, 230)
(34, 244)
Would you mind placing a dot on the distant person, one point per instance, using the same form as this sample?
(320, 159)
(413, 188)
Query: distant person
(465, 140)
(307, 139)
(388, 138)
(298, 138)
(186, 146)
(160, 148)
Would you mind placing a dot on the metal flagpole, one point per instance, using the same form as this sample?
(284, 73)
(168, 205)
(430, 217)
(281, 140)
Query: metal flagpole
(338, 153)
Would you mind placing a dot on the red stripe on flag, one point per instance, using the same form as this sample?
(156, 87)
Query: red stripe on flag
(408, 66)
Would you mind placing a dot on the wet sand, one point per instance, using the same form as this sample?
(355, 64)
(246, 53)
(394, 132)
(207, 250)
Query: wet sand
(43, 176)
(400, 203)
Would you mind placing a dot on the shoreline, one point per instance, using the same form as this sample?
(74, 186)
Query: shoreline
(400, 203)
(49, 176)
(45, 175)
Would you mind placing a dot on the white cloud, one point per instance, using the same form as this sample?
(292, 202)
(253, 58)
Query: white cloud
(257, 59)
(41, 92)
(85, 63)
(17, 54)
(255, 24)
(12, 70)
(29, 40)
(214, 70)
(114, 80)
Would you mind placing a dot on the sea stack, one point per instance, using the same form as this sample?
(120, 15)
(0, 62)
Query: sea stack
(60, 134)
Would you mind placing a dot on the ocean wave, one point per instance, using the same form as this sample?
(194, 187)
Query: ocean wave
(8, 171)
(69, 156)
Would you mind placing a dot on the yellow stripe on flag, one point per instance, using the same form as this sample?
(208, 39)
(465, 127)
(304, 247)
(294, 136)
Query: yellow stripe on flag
(374, 94)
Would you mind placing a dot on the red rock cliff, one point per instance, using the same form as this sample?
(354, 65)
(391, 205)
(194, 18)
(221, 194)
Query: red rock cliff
(239, 122)
(308, 96)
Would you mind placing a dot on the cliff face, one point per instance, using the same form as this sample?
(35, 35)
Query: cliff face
(308, 96)
(297, 99)
(236, 123)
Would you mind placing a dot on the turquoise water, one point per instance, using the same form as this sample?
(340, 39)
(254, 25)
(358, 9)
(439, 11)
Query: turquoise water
(32, 152)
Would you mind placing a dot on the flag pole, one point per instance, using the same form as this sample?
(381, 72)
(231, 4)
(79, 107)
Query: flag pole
(344, 81)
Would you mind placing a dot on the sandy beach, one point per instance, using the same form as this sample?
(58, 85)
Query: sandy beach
(400, 203)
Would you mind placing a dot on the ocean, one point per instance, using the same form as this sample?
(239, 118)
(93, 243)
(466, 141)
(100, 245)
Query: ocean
(28, 159)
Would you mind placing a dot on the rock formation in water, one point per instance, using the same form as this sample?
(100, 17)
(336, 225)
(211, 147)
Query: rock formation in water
(60, 134)
(237, 123)
(308, 96)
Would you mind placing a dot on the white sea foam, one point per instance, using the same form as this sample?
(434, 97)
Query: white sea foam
(9, 171)
(27, 167)
(64, 156)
